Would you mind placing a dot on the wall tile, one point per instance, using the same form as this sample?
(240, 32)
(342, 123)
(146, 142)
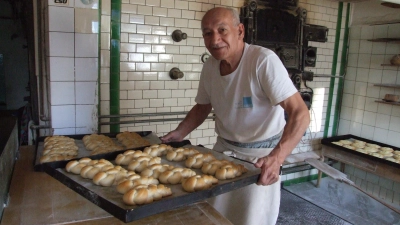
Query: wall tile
(61, 69)
(86, 45)
(89, 4)
(86, 92)
(86, 69)
(62, 93)
(61, 44)
(86, 21)
(61, 19)
(63, 116)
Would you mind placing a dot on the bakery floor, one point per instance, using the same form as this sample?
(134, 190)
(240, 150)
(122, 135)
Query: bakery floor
(331, 203)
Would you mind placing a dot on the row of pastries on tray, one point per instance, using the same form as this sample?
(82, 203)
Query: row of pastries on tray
(57, 148)
(372, 149)
(141, 177)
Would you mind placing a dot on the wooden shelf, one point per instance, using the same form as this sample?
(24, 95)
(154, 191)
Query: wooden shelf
(388, 85)
(385, 40)
(389, 103)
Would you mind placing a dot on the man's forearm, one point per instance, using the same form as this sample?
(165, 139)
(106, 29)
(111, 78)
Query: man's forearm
(194, 118)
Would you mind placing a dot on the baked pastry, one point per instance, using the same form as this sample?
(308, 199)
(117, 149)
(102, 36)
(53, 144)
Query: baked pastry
(211, 167)
(198, 182)
(128, 156)
(372, 145)
(131, 139)
(337, 143)
(146, 194)
(127, 185)
(75, 166)
(155, 170)
(370, 149)
(376, 155)
(52, 158)
(142, 162)
(196, 161)
(230, 171)
(180, 154)
(175, 175)
(99, 144)
(346, 142)
(90, 171)
(157, 150)
(57, 148)
(349, 147)
(111, 176)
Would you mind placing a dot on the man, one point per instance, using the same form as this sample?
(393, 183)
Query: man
(249, 89)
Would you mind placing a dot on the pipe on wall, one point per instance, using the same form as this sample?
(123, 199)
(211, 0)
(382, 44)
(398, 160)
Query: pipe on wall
(342, 72)
(333, 71)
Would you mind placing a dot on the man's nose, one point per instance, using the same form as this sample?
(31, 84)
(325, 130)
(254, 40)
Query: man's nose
(215, 38)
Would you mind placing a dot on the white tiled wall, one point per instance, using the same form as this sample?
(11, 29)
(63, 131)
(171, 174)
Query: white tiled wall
(73, 66)
(361, 115)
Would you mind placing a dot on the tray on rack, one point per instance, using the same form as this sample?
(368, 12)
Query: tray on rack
(83, 152)
(111, 201)
(328, 142)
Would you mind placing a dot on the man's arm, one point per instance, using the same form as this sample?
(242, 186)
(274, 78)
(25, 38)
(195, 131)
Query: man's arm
(299, 119)
(193, 119)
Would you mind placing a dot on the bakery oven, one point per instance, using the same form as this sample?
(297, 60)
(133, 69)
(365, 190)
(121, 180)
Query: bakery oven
(281, 27)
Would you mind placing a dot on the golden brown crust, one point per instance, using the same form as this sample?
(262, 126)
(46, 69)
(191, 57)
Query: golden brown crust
(198, 183)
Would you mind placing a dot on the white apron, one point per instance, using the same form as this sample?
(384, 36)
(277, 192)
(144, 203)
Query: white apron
(252, 204)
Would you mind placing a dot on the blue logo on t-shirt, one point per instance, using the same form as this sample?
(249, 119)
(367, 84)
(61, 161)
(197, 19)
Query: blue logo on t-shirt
(247, 103)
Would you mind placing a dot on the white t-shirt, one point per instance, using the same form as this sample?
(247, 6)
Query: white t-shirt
(246, 102)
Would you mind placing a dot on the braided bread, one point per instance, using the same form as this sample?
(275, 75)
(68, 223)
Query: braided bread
(157, 150)
(180, 154)
(99, 143)
(111, 176)
(198, 183)
(230, 171)
(75, 166)
(90, 171)
(211, 167)
(145, 194)
(56, 148)
(175, 175)
(131, 139)
(142, 162)
(127, 185)
(155, 170)
(196, 161)
(126, 157)
(52, 158)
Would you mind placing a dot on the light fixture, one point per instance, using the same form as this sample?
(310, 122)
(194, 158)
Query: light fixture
(391, 3)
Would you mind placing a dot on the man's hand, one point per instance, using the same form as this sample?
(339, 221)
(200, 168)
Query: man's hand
(173, 136)
(270, 168)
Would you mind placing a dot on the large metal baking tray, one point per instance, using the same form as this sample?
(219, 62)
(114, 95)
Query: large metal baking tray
(83, 152)
(328, 142)
(111, 201)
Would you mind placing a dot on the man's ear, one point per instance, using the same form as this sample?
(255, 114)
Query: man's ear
(241, 31)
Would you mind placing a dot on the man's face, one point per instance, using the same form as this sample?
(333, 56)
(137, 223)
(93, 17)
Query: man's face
(221, 35)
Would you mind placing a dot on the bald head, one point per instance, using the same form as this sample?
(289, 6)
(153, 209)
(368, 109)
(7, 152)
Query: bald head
(220, 10)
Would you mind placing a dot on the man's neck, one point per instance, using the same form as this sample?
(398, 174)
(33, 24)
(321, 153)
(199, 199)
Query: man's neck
(228, 66)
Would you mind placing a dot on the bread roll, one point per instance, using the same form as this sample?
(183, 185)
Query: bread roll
(155, 170)
(128, 156)
(346, 142)
(142, 162)
(90, 171)
(175, 175)
(211, 167)
(52, 158)
(131, 139)
(230, 171)
(75, 166)
(157, 150)
(198, 183)
(196, 161)
(127, 185)
(110, 177)
(180, 154)
(143, 195)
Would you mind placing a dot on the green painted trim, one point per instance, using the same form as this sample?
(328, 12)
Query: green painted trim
(99, 69)
(333, 71)
(115, 62)
(301, 179)
(342, 72)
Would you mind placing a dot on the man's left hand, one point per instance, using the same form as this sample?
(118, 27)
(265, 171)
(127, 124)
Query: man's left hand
(270, 169)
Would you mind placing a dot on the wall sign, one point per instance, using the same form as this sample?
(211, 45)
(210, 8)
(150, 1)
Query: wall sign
(61, 1)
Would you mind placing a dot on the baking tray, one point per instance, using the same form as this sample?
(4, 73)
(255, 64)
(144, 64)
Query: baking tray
(110, 200)
(83, 152)
(328, 142)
